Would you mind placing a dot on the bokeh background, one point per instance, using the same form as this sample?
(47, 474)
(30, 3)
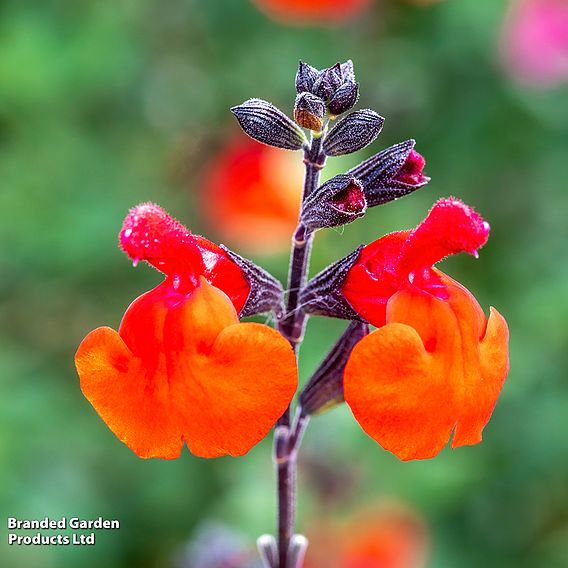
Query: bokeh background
(107, 104)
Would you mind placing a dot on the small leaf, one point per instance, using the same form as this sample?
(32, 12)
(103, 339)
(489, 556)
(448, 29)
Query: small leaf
(262, 121)
(355, 131)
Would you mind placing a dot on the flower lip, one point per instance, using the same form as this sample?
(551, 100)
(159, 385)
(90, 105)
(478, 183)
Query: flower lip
(451, 227)
(149, 233)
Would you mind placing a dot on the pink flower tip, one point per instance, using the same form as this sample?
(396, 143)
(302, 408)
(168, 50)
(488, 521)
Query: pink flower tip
(412, 171)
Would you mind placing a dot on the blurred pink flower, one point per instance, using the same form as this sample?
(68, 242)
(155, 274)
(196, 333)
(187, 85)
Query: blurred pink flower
(534, 42)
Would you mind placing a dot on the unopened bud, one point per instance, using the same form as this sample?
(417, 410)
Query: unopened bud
(309, 111)
(344, 98)
(338, 201)
(327, 82)
(305, 77)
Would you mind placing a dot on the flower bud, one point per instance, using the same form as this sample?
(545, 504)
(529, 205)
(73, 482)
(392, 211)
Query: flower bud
(309, 111)
(337, 202)
(305, 77)
(392, 173)
(325, 388)
(354, 132)
(344, 98)
(327, 82)
(264, 122)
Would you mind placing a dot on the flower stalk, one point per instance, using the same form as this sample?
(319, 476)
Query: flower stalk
(287, 436)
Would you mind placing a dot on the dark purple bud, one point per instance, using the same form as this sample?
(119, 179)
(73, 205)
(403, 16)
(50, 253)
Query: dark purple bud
(266, 293)
(338, 201)
(324, 390)
(411, 172)
(327, 82)
(347, 71)
(344, 98)
(305, 77)
(265, 123)
(355, 131)
(392, 173)
(323, 294)
(309, 111)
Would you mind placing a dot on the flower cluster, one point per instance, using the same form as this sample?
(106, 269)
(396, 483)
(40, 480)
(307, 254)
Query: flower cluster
(183, 368)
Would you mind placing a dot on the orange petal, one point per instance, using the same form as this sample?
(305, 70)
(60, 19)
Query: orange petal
(134, 405)
(184, 368)
(480, 398)
(410, 382)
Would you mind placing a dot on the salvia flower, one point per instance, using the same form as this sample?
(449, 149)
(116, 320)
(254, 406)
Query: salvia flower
(181, 367)
(436, 364)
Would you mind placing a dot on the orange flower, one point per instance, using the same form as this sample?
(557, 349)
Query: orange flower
(181, 367)
(383, 537)
(312, 11)
(252, 195)
(436, 364)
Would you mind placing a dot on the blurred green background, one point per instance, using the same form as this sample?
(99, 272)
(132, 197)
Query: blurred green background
(107, 104)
